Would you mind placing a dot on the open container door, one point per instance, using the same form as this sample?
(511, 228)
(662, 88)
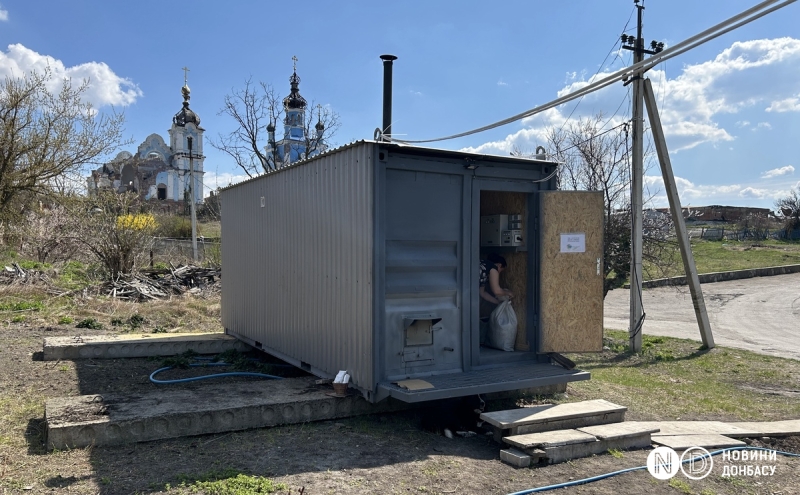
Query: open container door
(571, 271)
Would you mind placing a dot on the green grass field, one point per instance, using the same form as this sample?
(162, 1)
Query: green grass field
(720, 256)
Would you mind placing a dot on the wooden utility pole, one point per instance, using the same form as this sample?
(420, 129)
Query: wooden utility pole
(677, 216)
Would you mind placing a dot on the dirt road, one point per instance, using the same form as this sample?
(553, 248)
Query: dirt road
(759, 314)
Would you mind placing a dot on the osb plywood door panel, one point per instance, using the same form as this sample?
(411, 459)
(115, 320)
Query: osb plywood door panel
(571, 287)
(515, 277)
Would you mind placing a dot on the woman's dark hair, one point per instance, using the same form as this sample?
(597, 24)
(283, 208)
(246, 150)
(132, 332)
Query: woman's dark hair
(497, 259)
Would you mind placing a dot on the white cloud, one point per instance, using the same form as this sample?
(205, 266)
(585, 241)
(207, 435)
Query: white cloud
(776, 172)
(692, 101)
(214, 180)
(791, 104)
(763, 125)
(3, 14)
(752, 192)
(415, 93)
(105, 87)
(502, 83)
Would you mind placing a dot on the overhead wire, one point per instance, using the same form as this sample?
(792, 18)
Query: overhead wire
(714, 32)
(599, 68)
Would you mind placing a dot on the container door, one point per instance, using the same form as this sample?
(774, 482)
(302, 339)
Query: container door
(571, 277)
(423, 276)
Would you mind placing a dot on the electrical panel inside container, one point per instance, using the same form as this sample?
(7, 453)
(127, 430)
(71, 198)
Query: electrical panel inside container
(501, 231)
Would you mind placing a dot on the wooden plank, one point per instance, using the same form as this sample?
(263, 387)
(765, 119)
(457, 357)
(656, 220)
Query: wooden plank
(668, 428)
(571, 283)
(769, 428)
(617, 430)
(549, 439)
(707, 441)
(550, 412)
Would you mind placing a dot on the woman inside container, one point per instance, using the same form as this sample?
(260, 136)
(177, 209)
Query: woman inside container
(490, 289)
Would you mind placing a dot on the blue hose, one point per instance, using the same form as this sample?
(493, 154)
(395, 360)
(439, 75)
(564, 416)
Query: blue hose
(609, 475)
(206, 377)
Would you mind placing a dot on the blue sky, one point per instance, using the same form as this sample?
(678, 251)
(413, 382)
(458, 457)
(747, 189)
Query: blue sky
(731, 107)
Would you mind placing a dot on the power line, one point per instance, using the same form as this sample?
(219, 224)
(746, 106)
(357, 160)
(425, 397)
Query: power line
(724, 27)
(602, 64)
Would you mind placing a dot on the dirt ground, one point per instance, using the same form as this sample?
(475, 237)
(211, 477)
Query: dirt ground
(388, 453)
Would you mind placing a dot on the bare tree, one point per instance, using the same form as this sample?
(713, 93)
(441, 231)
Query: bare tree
(114, 227)
(789, 208)
(596, 158)
(46, 232)
(257, 106)
(47, 137)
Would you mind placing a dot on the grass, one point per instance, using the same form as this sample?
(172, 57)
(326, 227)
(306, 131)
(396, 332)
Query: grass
(676, 379)
(178, 314)
(228, 482)
(720, 256)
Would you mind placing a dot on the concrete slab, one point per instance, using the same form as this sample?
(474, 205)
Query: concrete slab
(515, 457)
(549, 439)
(551, 412)
(671, 428)
(615, 431)
(708, 441)
(769, 429)
(76, 422)
(564, 453)
(138, 345)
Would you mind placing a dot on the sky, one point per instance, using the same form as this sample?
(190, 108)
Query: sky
(730, 108)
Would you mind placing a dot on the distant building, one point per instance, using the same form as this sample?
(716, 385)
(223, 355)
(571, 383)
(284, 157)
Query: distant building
(718, 213)
(159, 172)
(298, 142)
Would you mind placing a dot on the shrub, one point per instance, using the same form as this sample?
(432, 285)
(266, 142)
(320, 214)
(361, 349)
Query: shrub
(89, 323)
(65, 320)
(174, 226)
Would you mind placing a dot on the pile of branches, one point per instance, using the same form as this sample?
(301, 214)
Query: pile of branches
(163, 283)
(15, 274)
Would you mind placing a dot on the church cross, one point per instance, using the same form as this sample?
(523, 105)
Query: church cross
(294, 59)
(185, 75)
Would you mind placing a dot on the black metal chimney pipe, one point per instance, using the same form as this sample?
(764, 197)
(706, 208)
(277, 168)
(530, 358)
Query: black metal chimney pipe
(386, 129)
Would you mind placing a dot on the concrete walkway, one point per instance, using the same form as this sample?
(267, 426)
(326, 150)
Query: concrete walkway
(758, 314)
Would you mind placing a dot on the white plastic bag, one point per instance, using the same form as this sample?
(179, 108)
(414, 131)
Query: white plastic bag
(503, 330)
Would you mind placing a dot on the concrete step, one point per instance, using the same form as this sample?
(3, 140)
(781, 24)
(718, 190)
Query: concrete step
(562, 445)
(171, 411)
(552, 417)
(707, 441)
(138, 345)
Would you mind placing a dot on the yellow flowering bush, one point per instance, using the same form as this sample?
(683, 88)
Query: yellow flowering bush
(139, 221)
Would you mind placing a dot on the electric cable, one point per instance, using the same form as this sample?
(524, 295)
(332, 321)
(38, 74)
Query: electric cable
(634, 70)
(599, 68)
(638, 468)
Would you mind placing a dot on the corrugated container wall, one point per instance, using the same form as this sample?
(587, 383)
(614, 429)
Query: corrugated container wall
(312, 283)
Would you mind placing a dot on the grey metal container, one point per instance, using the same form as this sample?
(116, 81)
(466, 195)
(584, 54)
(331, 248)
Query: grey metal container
(366, 259)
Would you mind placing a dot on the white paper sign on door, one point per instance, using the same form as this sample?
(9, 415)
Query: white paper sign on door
(573, 243)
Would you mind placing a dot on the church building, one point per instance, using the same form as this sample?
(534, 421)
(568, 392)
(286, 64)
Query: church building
(159, 171)
(299, 141)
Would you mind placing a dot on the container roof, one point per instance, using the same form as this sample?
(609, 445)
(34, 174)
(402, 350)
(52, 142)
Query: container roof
(514, 161)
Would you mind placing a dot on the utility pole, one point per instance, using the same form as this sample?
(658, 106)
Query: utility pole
(636, 312)
(192, 200)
